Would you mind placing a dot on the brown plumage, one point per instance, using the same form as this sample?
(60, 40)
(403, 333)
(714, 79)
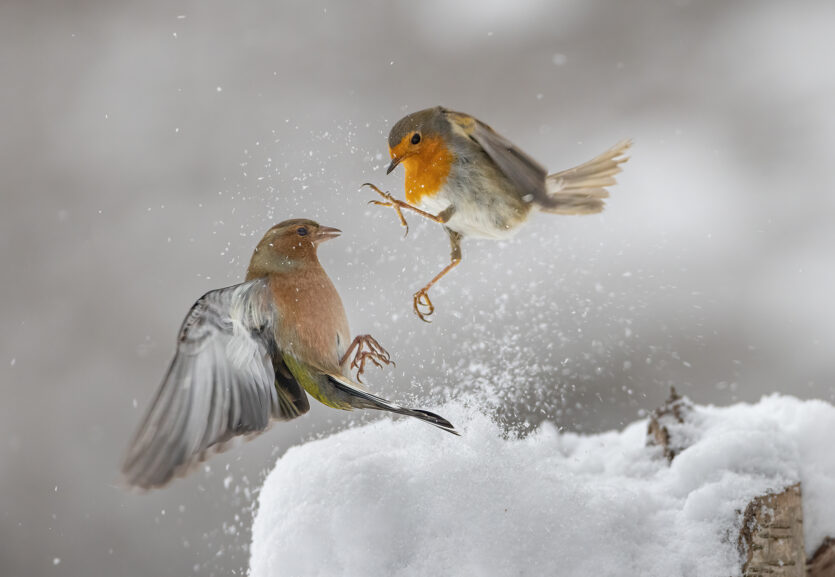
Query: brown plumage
(314, 326)
(250, 353)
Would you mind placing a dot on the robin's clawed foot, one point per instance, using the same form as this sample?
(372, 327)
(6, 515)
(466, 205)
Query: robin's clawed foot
(423, 305)
(389, 201)
(375, 353)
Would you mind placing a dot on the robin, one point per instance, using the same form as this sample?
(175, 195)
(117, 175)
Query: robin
(247, 354)
(464, 175)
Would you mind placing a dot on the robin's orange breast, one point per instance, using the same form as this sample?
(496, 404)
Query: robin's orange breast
(427, 171)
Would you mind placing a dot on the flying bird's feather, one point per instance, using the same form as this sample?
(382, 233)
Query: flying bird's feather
(222, 383)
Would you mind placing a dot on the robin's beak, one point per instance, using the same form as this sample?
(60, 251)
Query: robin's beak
(394, 162)
(326, 233)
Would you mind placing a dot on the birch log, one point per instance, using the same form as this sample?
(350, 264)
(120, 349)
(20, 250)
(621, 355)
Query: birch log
(771, 537)
(770, 540)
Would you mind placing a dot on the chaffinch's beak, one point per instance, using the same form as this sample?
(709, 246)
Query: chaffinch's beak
(326, 233)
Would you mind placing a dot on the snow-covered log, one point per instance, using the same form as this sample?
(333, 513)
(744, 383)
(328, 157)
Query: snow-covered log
(771, 533)
(397, 498)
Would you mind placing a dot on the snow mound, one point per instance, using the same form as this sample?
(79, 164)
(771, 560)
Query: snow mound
(398, 498)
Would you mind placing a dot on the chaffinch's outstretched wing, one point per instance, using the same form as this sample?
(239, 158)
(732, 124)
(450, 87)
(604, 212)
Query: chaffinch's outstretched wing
(227, 379)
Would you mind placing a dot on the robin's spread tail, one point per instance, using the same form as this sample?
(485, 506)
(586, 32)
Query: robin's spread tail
(581, 190)
(362, 399)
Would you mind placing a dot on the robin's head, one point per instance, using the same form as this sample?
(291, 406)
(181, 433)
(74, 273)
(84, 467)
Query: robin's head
(420, 133)
(288, 245)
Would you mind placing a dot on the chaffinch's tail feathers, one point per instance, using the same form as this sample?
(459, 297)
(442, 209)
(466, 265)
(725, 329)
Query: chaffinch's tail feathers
(362, 399)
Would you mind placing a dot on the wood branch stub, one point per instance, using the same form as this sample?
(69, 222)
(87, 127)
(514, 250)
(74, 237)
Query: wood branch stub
(771, 537)
(674, 411)
(822, 563)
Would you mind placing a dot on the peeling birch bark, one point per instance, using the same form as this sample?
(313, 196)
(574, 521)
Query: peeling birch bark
(771, 538)
(663, 421)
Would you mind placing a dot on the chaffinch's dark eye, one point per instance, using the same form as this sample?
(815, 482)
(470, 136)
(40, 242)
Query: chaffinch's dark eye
(415, 138)
(302, 231)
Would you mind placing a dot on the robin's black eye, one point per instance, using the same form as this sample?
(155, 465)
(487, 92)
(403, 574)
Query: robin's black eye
(415, 138)
(302, 231)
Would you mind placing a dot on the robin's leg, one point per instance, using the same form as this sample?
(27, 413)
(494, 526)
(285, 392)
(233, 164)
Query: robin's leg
(399, 205)
(375, 353)
(421, 298)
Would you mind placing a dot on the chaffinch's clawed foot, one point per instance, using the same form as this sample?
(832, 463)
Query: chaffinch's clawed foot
(375, 353)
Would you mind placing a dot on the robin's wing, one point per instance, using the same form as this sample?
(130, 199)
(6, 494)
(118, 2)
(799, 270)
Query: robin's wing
(226, 380)
(523, 171)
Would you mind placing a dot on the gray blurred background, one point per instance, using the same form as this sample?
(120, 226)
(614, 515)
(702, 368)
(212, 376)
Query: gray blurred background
(146, 146)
